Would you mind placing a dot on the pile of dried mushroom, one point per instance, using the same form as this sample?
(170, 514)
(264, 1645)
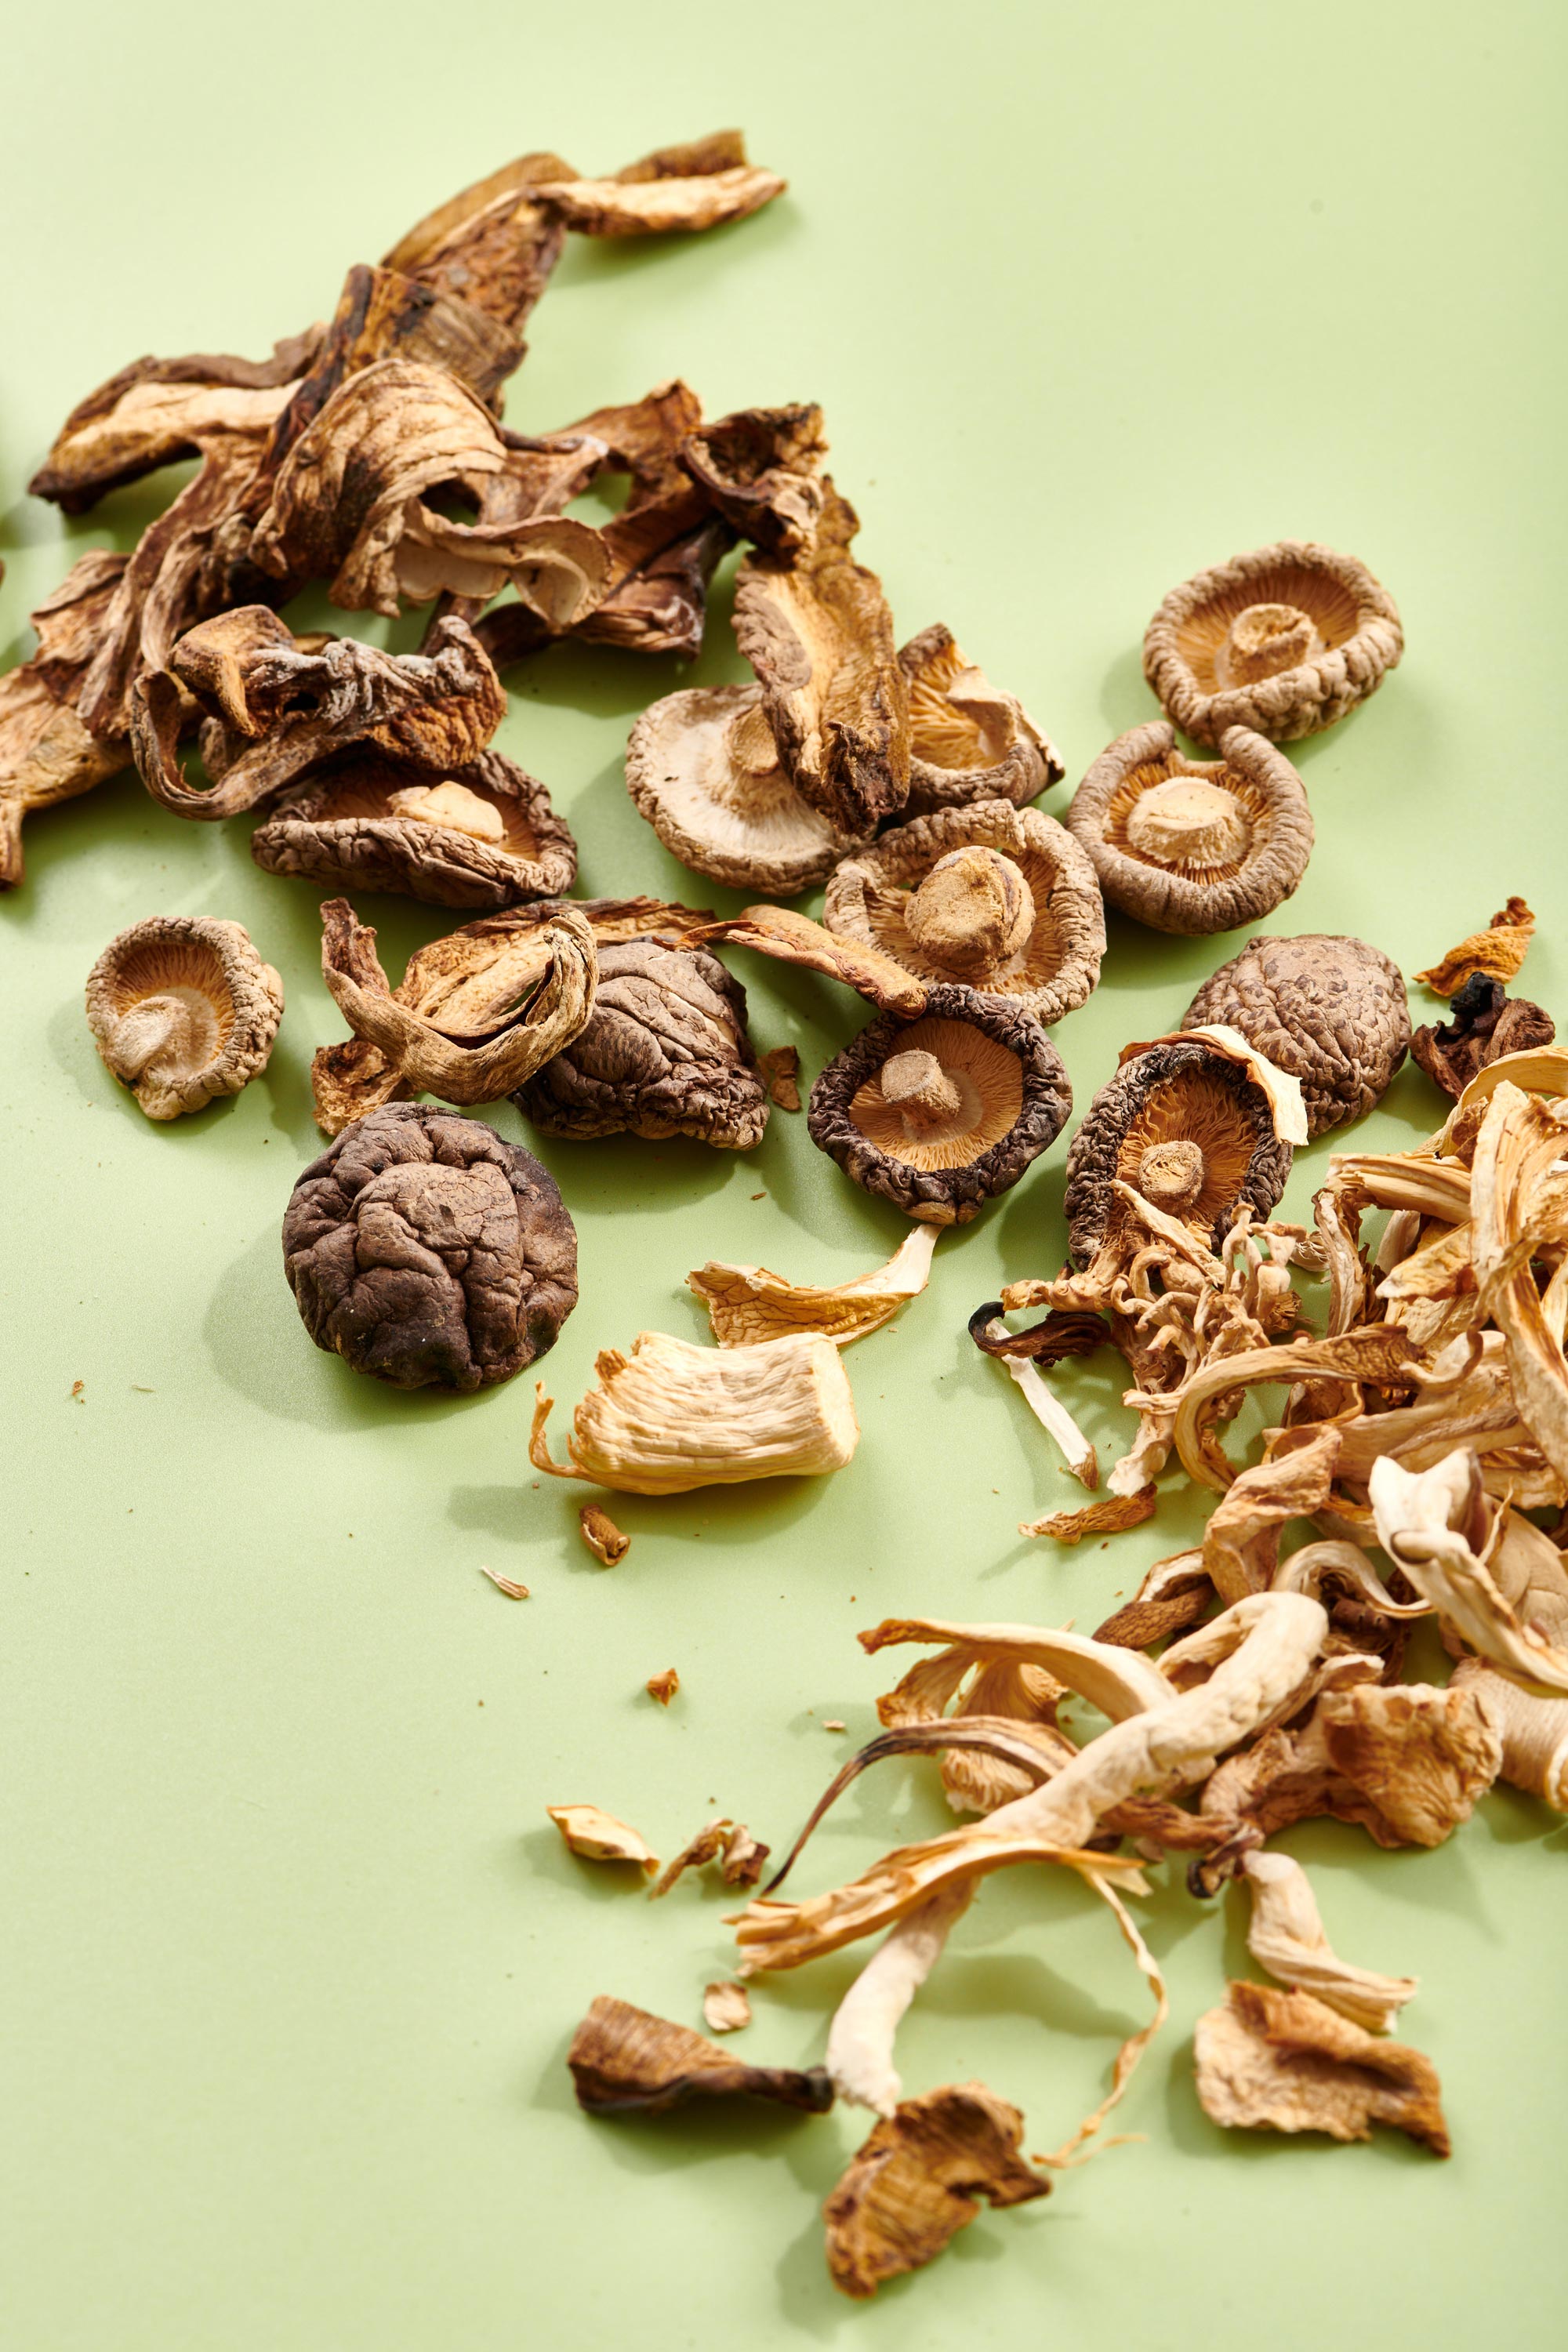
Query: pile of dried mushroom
(1416, 1464)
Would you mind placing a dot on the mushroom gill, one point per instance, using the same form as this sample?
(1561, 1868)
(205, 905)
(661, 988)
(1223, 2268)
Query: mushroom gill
(182, 1010)
(703, 768)
(947, 1095)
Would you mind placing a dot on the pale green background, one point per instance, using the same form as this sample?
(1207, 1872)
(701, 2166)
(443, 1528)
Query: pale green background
(1091, 298)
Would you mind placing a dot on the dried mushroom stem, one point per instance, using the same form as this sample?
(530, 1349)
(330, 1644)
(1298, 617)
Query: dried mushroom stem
(1286, 1937)
(1264, 639)
(972, 910)
(1188, 821)
(930, 1104)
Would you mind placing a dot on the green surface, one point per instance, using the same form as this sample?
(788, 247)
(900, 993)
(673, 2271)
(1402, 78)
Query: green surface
(1091, 298)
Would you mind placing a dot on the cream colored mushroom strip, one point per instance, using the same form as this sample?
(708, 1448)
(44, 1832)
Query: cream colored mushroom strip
(1050, 1410)
(1286, 1937)
(1534, 1732)
(1413, 1511)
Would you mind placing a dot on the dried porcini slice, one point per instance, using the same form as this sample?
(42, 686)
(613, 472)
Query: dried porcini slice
(46, 754)
(1330, 1011)
(1284, 2061)
(695, 186)
(759, 467)
(598, 1836)
(1194, 847)
(182, 1011)
(626, 2062)
(919, 2180)
(748, 1303)
(968, 740)
(1497, 952)
(1284, 640)
(1484, 1023)
(940, 1114)
(156, 412)
(425, 1251)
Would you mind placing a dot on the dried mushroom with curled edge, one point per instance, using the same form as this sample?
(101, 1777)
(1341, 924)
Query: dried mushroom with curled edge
(1329, 1011)
(1285, 2062)
(696, 185)
(1285, 641)
(426, 1251)
(703, 768)
(940, 1114)
(988, 896)
(968, 740)
(627, 2061)
(1192, 846)
(1498, 951)
(919, 2180)
(46, 754)
(182, 1010)
(1484, 1023)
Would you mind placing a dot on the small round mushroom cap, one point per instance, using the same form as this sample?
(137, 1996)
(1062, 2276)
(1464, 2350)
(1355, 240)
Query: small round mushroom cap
(1285, 641)
(482, 835)
(968, 740)
(427, 1252)
(990, 897)
(938, 1114)
(1330, 1011)
(703, 768)
(1192, 846)
(1188, 1129)
(182, 1010)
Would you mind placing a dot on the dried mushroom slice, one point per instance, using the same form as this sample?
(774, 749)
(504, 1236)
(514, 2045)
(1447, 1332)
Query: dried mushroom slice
(940, 1114)
(1329, 1010)
(747, 1303)
(599, 1836)
(919, 2180)
(1286, 1936)
(491, 247)
(626, 2062)
(1284, 640)
(1484, 1023)
(182, 1011)
(426, 1251)
(968, 740)
(1283, 2061)
(703, 768)
(759, 467)
(988, 896)
(155, 412)
(694, 186)
(1498, 951)
(1194, 847)
(46, 754)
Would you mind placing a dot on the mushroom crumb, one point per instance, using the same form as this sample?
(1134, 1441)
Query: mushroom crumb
(919, 2180)
(663, 1687)
(602, 1538)
(1484, 1025)
(1495, 953)
(507, 1584)
(779, 1070)
(739, 1855)
(1284, 2061)
(726, 2006)
(599, 1837)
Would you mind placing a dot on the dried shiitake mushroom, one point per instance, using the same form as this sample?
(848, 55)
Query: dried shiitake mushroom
(182, 1010)
(968, 740)
(1331, 1011)
(987, 896)
(1484, 1023)
(1194, 847)
(425, 1251)
(1285, 641)
(703, 768)
(939, 1113)
(46, 754)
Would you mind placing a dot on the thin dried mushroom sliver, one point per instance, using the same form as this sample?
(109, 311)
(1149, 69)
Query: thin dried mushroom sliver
(598, 1836)
(606, 1541)
(1497, 952)
(1284, 2061)
(46, 754)
(1110, 1513)
(919, 2180)
(182, 1011)
(1429, 1523)
(748, 1303)
(989, 1333)
(1520, 1207)
(730, 1843)
(791, 938)
(660, 207)
(1286, 1937)
(625, 2061)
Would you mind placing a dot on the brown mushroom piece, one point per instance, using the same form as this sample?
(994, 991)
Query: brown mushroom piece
(182, 1010)
(46, 754)
(703, 768)
(988, 896)
(1192, 846)
(1329, 1010)
(1484, 1023)
(968, 740)
(938, 1114)
(627, 2061)
(427, 1252)
(1284, 640)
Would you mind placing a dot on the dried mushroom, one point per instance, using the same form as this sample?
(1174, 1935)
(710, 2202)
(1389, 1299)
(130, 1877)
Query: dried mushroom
(1498, 951)
(182, 1010)
(694, 186)
(669, 1416)
(1284, 2061)
(599, 1837)
(662, 1687)
(425, 1251)
(919, 2180)
(1286, 1937)
(726, 2007)
(1329, 1011)
(730, 1843)
(703, 768)
(968, 740)
(986, 896)
(1534, 1732)
(1484, 1023)
(1194, 847)
(625, 2061)
(608, 1542)
(46, 754)
(1284, 640)
(746, 1303)
(760, 467)
(940, 1114)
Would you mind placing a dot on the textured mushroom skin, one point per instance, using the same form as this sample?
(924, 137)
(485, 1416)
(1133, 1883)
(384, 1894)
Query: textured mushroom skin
(665, 1053)
(427, 1252)
(1329, 1010)
(1092, 1158)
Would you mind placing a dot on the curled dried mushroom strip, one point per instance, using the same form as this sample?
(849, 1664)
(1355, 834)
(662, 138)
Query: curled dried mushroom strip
(1286, 1936)
(626, 2062)
(1497, 952)
(1284, 2061)
(182, 1011)
(747, 1303)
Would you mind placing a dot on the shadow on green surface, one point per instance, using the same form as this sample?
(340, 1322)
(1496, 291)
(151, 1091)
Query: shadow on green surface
(1125, 699)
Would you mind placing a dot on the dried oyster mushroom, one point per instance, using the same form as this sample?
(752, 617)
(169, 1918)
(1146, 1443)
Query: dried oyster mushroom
(1498, 951)
(1194, 847)
(747, 1303)
(1284, 640)
(626, 2062)
(703, 768)
(986, 896)
(1286, 1936)
(1484, 1023)
(1284, 2061)
(919, 2180)
(598, 1836)
(46, 754)
(968, 740)
(182, 1010)
(425, 1251)
(940, 1114)
(1330, 1011)
(1534, 1732)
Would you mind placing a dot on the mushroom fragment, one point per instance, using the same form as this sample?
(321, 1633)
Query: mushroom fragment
(703, 768)
(662, 1687)
(670, 1416)
(1435, 1526)
(779, 1070)
(1484, 1025)
(730, 1843)
(1286, 1936)
(606, 1541)
(1534, 1732)
(625, 2061)
(968, 740)
(919, 2180)
(598, 1836)
(747, 1303)
(182, 1011)
(760, 468)
(694, 186)
(1330, 1012)
(1284, 2061)
(1284, 640)
(1194, 847)
(987, 896)
(1497, 952)
(46, 754)
(726, 2007)
(425, 1251)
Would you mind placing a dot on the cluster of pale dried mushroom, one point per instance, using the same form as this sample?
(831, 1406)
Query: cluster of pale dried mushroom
(1424, 1419)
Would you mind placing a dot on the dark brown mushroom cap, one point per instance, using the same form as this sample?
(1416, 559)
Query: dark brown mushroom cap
(1220, 842)
(1484, 1023)
(1285, 641)
(427, 1252)
(976, 1074)
(1173, 1096)
(1331, 1011)
(968, 740)
(665, 1053)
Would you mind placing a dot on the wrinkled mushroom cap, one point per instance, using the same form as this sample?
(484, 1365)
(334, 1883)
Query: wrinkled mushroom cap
(703, 769)
(1331, 1011)
(939, 1113)
(182, 1010)
(1192, 846)
(968, 740)
(1285, 641)
(1187, 1127)
(988, 896)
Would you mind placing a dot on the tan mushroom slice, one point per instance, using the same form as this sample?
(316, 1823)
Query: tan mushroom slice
(156, 412)
(1435, 1526)
(703, 769)
(626, 2062)
(791, 938)
(1283, 2061)
(760, 468)
(491, 247)
(694, 186)
(1534, 1732)
(968, 740)
(608, 1542)
(182, 1011)
(986, 896)
(747, 1303)
(1194, 847)
(46, 754)
(726, 2007)
(1286, 1936)
(1330, 1011)
(1497, 952)
(598, 1836)
(919, 2180)
(1284, 640)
